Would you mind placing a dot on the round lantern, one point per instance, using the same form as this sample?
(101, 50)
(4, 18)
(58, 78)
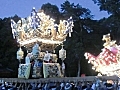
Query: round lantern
(62, 53)
(20, 54)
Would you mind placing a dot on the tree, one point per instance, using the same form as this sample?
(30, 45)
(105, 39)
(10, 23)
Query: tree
(111, 6)
(75, 45)
(8, 45)
(51, 10)
(113, 21)
(76, 11)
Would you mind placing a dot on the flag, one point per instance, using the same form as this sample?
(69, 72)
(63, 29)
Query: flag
(13, 26)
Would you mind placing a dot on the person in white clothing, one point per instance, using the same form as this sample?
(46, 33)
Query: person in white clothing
(47, 57)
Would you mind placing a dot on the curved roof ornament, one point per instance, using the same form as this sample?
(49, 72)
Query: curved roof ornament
(42, 28)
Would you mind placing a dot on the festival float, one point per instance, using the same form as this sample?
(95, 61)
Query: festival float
(41, 35)
(108, 61)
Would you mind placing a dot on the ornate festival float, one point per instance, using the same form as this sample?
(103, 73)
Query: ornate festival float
(108, 61)
(40, 35)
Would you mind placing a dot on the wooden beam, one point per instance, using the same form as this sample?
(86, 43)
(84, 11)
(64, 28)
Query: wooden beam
(64, 79)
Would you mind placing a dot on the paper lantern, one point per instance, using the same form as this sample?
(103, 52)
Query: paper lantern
(62, 53)
(20, 54)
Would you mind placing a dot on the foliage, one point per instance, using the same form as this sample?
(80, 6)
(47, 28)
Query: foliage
(113, 21)
(76, 11)
(111, 6)
(8, 45)
(51, 10)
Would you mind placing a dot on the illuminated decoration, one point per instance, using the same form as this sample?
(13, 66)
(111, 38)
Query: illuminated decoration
(24, 71)
(40, 27)
(36, 50)
(51, 70)
(108, 61)
(20, 54)
(62, 53)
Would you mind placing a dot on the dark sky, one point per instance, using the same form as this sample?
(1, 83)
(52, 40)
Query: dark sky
(23, 8)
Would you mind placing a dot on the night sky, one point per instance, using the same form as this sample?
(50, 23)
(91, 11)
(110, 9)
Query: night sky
(23, 8)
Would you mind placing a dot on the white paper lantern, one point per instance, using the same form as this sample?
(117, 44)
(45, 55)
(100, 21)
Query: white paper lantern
(20, 54)
(62, 53)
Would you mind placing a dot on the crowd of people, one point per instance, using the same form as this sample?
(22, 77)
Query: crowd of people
(81, 85)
